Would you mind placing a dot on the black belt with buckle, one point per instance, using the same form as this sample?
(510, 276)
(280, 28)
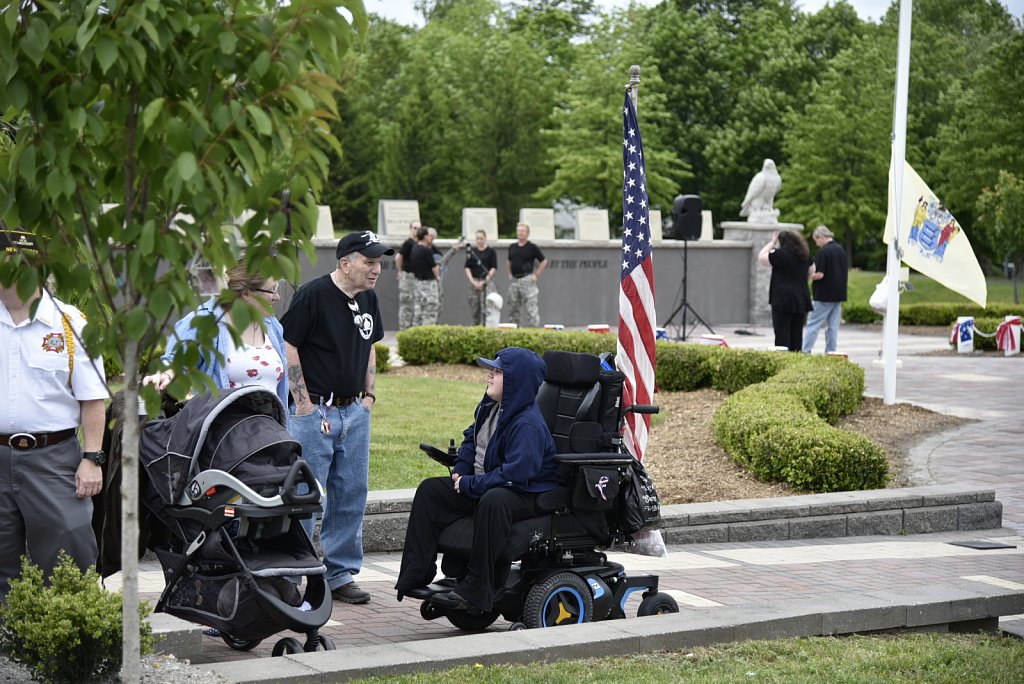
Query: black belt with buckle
(339, 402)
(521, 275)
(38, 440)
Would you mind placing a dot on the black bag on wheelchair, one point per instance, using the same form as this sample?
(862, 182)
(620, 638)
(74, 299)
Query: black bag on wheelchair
(639, 506)
(595, 488)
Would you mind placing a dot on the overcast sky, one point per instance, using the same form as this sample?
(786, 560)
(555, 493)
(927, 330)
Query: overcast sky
(402, 10)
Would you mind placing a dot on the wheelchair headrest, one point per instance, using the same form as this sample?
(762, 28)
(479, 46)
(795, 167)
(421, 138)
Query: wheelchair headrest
(572, 368)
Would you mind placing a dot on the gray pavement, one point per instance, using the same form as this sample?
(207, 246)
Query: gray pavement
(749, 589)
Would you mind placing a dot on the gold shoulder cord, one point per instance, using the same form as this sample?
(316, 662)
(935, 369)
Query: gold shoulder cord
(69, 337)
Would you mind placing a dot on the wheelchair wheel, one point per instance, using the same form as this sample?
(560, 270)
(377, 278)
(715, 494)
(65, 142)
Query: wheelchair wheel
(468, 622)
(240, 644)
(287, 645)
(428, 611)
(562, 598)
(659, 604)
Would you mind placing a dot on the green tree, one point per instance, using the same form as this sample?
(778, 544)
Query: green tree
(587, 130)
(984, 134)
(184, 114)
(1001, 212)
(466, 111)
(838, 151)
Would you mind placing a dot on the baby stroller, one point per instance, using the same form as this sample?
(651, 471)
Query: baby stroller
(555, 570)
(227, 478)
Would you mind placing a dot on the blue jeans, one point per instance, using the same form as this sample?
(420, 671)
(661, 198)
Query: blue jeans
(832, 312)
(341, 463)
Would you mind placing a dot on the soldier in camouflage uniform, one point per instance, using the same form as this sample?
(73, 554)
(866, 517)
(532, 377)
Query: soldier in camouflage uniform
(426, 288)
(406, 280)
(523, 292)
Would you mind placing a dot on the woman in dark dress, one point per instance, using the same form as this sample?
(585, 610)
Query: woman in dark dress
(790, 260)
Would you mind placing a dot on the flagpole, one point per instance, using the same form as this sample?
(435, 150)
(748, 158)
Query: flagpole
(899, 152)
(634, 87)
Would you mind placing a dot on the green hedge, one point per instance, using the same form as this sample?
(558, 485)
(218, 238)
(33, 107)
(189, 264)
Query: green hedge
(931, 314)
(780, 429)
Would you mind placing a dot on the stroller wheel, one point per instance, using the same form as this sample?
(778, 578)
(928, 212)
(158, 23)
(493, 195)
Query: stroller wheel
(240, 644)
(468, 622)
(322, 643)
(287, 645)
(659, 604)
(562, 598)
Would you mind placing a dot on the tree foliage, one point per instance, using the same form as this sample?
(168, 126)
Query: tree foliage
(183, 116)
(1001, 212)
(586, 137)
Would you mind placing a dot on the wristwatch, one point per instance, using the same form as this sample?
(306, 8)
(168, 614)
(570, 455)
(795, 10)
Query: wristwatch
(97, 457)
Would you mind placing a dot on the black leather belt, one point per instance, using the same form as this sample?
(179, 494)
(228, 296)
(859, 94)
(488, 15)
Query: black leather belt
(339, 402)
(521, 275)
(38, 440)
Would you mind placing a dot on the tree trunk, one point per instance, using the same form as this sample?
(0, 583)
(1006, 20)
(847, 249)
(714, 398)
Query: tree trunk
(131, 671)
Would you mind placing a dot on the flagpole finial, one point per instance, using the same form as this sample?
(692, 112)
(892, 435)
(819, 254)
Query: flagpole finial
(634, 83)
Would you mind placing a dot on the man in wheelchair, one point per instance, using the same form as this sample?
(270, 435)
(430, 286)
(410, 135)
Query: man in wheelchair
(505, 461)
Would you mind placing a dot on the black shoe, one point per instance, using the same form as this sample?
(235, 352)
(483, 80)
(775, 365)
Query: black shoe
(350, 593)
(450, 600)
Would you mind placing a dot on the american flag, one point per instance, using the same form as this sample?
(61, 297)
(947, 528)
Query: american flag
(635, 355)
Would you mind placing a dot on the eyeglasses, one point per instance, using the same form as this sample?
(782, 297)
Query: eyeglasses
(269, 292)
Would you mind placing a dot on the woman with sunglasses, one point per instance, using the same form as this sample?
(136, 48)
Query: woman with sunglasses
(257, 358)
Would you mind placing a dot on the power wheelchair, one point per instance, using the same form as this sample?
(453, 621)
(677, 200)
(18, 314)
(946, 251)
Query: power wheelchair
(554, 570)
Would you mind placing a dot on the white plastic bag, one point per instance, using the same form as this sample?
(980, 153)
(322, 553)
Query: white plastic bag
(648, 543)
(879, 299)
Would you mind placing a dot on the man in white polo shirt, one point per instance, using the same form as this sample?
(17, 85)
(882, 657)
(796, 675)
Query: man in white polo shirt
(48, 388)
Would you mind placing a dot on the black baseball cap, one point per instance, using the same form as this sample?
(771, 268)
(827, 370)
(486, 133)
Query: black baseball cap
(365, 242)
(18, 240)
(494, 363)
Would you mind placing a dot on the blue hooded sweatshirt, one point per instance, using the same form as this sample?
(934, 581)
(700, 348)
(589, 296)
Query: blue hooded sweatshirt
(521, 451)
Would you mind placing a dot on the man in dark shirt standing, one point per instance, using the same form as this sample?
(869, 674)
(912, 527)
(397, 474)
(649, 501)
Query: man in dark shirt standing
(481, 267)
(406, 280)
(329, 331)
(828, 285)
(427, 273)
(522, 291)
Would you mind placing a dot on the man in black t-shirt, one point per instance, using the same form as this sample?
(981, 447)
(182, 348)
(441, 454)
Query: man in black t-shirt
(403, 269)
(522, 291)
(427, 274)
(481, 267)
(828, 286)
(329, 331)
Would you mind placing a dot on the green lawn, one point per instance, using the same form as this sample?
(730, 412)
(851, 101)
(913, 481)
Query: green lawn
(411, 411)
(907, 659)
(926, 290)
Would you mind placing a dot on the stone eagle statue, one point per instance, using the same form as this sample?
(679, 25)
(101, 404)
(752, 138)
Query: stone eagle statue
(757, 205)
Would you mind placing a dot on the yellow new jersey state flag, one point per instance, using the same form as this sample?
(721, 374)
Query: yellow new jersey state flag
(931, 239)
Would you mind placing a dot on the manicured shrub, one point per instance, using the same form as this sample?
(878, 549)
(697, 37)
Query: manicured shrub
(69, 631)
(934, 314)
(733, 369)
(778, 428)
(683, 367)
(383, 357)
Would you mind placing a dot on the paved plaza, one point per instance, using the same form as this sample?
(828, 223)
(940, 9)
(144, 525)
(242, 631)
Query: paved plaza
(755, 577)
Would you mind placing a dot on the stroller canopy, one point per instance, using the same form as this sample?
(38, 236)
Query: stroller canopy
(241, 431)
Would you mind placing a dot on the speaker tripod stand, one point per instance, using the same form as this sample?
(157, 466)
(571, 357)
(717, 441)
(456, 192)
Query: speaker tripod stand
(685, 307)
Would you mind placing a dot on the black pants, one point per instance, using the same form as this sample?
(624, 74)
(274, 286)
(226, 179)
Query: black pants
(437, 505)
(789, 328)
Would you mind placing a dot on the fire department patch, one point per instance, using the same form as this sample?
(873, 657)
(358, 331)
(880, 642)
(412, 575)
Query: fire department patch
(53, 342)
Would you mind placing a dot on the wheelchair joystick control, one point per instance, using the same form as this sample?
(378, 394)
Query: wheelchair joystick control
(452, 450)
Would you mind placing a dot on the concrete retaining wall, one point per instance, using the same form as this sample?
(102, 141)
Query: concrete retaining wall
(913, 510)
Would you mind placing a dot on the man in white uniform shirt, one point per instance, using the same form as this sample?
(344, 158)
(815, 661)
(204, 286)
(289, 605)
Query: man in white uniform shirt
(48, 388)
